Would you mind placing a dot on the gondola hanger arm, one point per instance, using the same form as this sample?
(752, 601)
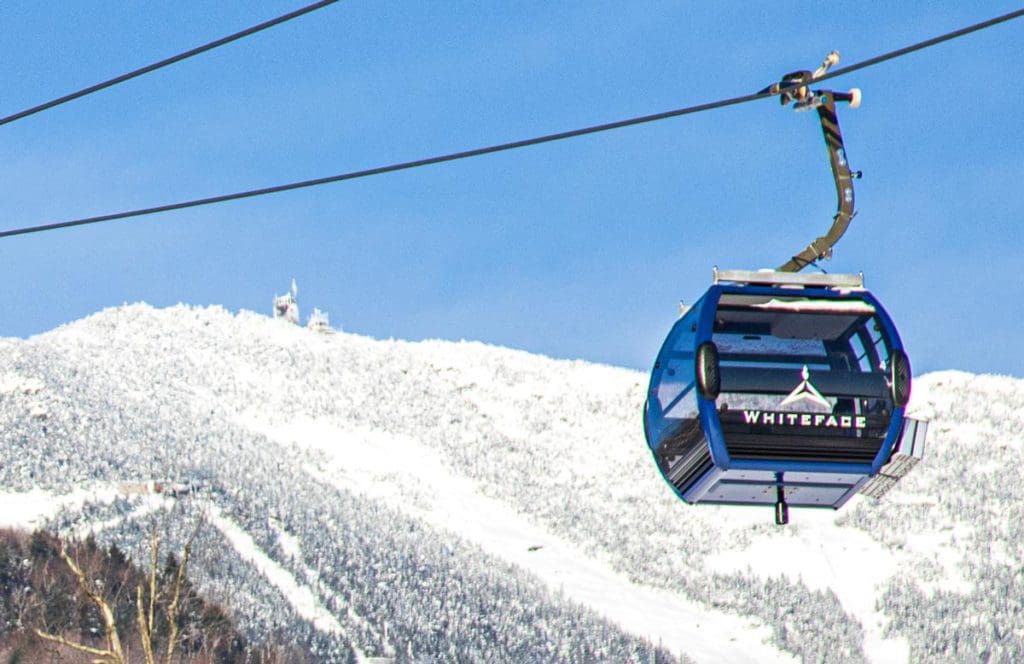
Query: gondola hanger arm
(794, 89)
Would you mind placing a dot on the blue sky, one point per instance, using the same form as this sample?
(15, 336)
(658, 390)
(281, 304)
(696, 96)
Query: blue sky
(578, 249)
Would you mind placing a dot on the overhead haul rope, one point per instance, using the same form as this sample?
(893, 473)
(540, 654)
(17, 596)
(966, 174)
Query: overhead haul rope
(504, 146)
(164, 63)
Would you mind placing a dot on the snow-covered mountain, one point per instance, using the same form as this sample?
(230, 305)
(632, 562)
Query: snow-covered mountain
(455, 501)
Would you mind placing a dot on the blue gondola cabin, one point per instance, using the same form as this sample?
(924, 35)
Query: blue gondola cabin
(782, 389)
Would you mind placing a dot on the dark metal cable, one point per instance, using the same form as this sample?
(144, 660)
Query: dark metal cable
(163, 63)
(922, 45)
(502, 147)
(385, 169)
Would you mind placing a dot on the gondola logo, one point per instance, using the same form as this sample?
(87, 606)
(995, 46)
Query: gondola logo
(805, 391)
(820, 420)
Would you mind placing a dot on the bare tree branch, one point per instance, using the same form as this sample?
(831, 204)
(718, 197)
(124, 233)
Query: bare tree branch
(154, 559)
(114, 651)
(145, 611)
(145, 629)
(172, 609)
(109, 656)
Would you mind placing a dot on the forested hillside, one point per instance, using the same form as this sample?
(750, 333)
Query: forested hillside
(437, 500)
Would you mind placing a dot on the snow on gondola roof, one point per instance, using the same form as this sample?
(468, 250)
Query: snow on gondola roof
(817, 306)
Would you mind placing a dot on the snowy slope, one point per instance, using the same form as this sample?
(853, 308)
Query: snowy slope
(422, 498)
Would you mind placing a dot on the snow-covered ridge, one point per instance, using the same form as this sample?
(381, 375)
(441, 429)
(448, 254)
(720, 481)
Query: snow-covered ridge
(295, 434)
